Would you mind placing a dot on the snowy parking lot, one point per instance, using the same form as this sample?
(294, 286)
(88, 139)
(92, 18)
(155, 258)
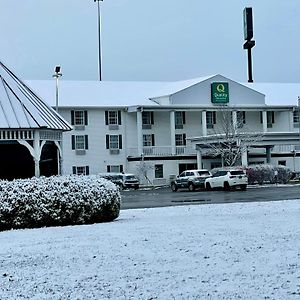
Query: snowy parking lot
(221, 251)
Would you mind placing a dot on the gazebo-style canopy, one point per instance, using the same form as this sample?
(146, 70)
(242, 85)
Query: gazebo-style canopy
(25, 119)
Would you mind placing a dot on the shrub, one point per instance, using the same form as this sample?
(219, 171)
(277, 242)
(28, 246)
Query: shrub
(57, 201)
(266, 173)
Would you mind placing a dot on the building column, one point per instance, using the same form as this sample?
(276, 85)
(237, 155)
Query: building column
(139, 127)
(244, 157)
(199, 159)
(264, 121)
(268, 154)
(204, 128)
(172, 132)
(234, 120)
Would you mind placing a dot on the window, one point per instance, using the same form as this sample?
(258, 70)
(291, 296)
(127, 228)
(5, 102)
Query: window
(79, 142)
(241, 118)
(210, 119)
(180, 139)
(114, 168)
(179, 119)
(270, 118)
(148, 140)
(282, 162)
(159, 171)
(113, 117)
(147, 118)
(215, 165)
(81, 170)
(114, 141)
(79, 117)
(296, 116)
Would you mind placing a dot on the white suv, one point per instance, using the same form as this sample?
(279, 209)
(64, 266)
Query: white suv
(227, 179)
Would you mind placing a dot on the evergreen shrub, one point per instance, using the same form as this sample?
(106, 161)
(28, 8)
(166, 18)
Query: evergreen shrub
(57, 201)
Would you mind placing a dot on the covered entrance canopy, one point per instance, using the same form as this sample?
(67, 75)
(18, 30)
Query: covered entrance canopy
(266, 140)
(29, 130)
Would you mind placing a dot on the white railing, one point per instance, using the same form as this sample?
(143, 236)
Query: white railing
(162, 151)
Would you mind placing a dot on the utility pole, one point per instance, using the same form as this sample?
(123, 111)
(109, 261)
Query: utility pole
(99, 39)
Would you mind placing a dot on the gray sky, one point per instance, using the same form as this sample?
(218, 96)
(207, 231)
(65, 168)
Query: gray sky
(150, 40)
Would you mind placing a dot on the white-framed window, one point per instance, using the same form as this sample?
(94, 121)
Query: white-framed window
(79, 142)
(159, 171)
(114, 168)
(148, 140)
(113, 141)
(179, 119)
(81, 170)
(210, 119)
(113, 117)
(147, 118)
(296, 116)
(270, 118)
(79, 117)
(180, 139)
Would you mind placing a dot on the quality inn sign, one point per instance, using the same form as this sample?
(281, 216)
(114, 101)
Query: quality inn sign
(219, 92)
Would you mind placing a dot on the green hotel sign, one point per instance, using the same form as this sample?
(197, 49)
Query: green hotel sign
(219, 92)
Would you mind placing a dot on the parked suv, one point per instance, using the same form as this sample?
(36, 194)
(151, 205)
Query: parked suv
(190, 179)
(227, 179)
(122, 180)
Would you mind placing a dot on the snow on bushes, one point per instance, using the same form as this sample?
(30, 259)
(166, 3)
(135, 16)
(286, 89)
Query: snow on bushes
(57, 201)
(267, 173)
(263, 173)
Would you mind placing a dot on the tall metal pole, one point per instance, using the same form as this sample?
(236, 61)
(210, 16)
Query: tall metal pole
(57, 74)
(99, 39)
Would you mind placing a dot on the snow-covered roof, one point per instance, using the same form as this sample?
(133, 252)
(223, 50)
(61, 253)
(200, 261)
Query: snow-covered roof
(278, 93)
(176, 86)
(141, 93)
(20, 107)
(96, 93)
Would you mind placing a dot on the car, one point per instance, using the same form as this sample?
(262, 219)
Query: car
(122, 180)
(190, 179)
(227, 179)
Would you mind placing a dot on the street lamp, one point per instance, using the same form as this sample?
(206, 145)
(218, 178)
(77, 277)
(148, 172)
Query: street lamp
(99, 38)
(57, 74)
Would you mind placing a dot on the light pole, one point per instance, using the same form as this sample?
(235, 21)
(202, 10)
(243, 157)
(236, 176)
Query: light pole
(57, 74)
(99, 38)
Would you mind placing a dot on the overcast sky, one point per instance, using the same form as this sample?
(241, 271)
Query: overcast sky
(150, 40)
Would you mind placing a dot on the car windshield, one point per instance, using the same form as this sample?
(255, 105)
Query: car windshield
(201, 173)
(237, 173)
(130, 177)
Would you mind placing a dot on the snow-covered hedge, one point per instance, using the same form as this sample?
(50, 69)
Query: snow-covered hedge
(263, 173)
(57, 201)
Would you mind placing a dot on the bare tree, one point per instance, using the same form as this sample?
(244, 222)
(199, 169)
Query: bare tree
(231, 139)
(143, 168)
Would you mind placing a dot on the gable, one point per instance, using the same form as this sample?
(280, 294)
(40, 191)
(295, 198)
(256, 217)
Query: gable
(200, 94)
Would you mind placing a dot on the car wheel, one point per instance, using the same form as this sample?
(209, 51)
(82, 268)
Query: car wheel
(208, 186)
(226, 186)
(191, 187)
(136, 187)
(174, 187)
(243, 187)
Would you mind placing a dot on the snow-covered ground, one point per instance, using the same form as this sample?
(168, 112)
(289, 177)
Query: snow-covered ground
(223, 251)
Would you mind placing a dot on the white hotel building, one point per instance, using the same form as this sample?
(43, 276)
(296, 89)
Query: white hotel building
(121, 126)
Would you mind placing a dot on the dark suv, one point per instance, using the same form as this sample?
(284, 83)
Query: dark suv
(190, 179)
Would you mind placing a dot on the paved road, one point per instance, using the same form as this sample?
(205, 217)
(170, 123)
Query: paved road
(165, 197)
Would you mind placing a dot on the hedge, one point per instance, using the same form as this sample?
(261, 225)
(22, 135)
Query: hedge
(57, 201)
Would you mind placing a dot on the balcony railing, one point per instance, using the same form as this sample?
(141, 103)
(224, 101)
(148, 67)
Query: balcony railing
(162, 151)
